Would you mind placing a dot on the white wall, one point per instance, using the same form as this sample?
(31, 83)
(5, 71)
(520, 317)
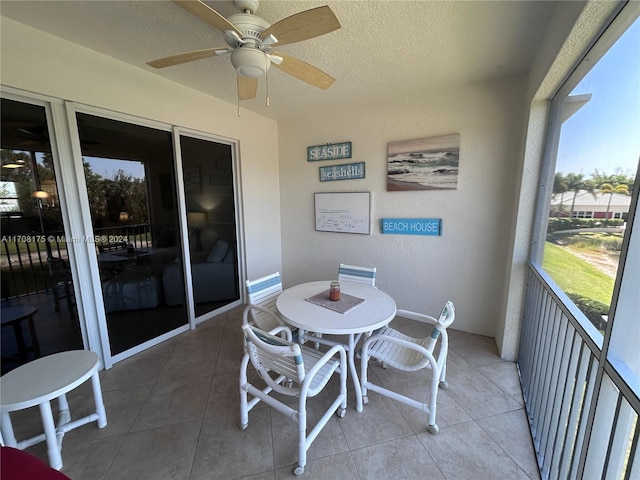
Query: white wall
(467, 263)
(40, 63)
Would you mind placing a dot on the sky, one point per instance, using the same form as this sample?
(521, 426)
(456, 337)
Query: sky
(605, 133)
(108, 167)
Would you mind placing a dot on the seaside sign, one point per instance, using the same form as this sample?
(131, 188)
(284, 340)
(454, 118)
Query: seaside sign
(330, 151)
(342, 172)
(411, 226)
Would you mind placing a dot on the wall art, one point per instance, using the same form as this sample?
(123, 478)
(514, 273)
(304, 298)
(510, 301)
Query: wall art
(330, 151)
(344, 212)
(348, 171)
(411, 226)
(423, 164)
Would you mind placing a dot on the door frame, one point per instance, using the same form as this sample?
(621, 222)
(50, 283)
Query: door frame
(72, 108)
(184, 230)
(69, 205)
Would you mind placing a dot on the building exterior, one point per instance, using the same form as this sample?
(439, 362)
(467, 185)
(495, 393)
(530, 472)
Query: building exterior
(590, 205)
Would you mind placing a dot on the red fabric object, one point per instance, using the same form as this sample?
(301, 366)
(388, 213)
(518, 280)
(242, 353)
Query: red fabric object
(19, 465)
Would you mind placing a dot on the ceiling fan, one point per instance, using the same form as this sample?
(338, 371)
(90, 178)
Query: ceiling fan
(250, 41)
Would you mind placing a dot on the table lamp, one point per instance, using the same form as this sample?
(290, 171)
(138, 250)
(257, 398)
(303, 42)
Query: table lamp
(195, 221)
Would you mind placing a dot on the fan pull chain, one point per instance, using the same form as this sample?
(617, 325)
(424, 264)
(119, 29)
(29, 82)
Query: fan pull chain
(266, 77)
(238, 89)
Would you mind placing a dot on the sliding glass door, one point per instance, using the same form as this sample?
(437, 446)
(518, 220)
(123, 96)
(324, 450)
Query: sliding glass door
(130, 177)
(211, 219)
(38, 309)
(155, 240)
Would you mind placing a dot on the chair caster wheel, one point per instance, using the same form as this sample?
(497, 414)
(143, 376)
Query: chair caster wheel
(444, 385)
(433, 429)
(243, 426)
(298, 470)
(365, 399)
(341, 412)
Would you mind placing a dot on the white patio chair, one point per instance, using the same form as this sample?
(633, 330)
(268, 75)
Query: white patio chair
(295, 371)
(264, 292)
(353, 273)
(408, 354)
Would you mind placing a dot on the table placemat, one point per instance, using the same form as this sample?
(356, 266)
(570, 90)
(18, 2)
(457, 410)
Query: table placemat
(346, 302)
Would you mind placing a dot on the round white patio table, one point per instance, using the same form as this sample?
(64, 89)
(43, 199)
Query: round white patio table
(377, 310)
(40, 381)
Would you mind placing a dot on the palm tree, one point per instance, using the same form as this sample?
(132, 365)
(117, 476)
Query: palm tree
(612, 188)
(560, 186)
(575, 183)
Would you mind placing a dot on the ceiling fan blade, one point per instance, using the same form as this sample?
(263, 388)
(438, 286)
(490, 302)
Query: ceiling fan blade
(303, 26)
(185, 57)
(247, 87)
(206, 13)
(303, 71)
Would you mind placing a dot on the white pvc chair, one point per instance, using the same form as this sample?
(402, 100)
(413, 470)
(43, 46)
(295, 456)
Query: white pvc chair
(408, 354)
(295, 371)
(352, 273)
(264, 292)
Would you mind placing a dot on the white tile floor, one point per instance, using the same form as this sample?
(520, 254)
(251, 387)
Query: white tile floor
(173, 414)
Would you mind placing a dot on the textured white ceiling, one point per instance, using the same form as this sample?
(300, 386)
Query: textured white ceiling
(386, 53)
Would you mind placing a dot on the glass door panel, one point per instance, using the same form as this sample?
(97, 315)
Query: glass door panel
(209, 198)
(38, 309)
(130, 178)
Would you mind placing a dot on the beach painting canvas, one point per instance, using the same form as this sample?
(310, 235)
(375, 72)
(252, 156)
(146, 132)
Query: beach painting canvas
(423, 164)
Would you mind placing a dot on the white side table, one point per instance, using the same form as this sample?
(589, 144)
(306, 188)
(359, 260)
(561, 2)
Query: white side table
(40, 381)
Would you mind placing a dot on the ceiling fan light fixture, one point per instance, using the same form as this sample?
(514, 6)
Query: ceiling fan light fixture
(250, 41)
(250, 62)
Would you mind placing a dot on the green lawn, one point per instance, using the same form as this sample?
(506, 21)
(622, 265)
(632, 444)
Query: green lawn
(574, 275)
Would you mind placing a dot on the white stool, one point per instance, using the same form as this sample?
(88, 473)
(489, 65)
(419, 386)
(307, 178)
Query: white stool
(40, 381)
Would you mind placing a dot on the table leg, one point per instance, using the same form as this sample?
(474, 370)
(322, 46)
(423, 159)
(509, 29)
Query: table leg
(53, 449)
(354, 372)
(97, 397)
(64, 415)
(22, 346)
(35, 345)
(7, 430)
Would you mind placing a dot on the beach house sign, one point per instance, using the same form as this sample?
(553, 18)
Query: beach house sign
(411, 226)
(330, 151)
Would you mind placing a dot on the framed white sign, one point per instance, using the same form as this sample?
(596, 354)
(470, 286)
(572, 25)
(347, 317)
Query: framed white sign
(344, 212)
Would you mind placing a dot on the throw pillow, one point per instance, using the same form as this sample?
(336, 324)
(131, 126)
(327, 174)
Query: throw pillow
(218, 252)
